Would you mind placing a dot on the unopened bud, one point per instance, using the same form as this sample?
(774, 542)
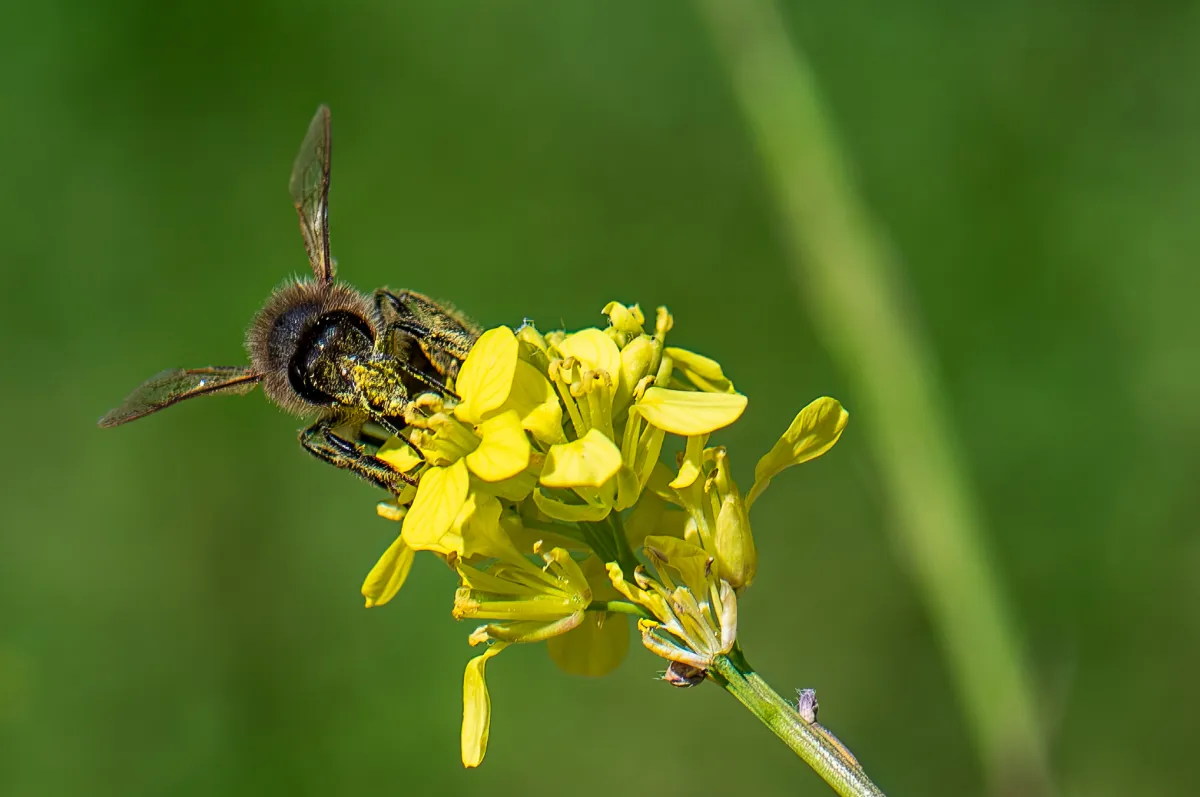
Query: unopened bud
(737, 558)
(627, 320)
(639, 359)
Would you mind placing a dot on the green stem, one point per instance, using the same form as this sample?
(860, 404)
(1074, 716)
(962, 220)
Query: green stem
(852, 282)
(625, 555)
(598, 536)
(810, 741)
(619, 607)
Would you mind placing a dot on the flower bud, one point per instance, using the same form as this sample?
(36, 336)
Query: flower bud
(737, 558)
(639, 359)
(625, 319)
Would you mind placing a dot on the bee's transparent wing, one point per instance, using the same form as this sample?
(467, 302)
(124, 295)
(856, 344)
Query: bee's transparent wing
(171, 387)
(309, 187)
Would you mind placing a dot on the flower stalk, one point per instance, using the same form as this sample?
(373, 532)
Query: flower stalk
(818, 748)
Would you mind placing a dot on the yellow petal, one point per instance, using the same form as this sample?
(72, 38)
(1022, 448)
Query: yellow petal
(628, 489)
(689, 468)
(688, 412)
(593, 648)
(570, 513)
(811, 434)
(595, 351)
(535, 400)
(515, 489)
(477, 708)
(486, 376)
(388, 574)
(399, 454)
(478, 525)
(503, 450)
(704, 373)
(690, 562)
(527, 632)
(589, 461)
(653, 601)
(428, 526)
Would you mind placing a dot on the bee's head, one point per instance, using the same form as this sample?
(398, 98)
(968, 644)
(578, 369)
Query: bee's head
(300, 331)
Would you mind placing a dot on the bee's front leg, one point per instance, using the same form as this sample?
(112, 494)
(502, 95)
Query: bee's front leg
(321, 441)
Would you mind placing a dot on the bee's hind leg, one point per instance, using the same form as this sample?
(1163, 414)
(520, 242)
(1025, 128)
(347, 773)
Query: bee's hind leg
(321, 441)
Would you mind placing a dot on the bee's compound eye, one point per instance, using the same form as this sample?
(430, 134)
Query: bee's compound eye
(288, 328)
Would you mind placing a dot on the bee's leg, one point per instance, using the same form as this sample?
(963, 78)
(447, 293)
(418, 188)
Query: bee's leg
(444, 334)
(320, 441)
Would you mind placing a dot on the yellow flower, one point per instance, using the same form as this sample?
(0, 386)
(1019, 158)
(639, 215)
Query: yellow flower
(533, 603)
(541, 480)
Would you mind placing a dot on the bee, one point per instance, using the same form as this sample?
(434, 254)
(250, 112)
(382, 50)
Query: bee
(320, 347)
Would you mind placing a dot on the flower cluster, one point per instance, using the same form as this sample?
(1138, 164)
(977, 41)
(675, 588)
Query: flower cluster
(543, 487)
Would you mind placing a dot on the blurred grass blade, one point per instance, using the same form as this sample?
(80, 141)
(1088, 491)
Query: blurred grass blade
(850, 284)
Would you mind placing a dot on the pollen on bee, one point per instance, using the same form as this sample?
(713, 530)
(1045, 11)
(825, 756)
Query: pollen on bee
(390, 510)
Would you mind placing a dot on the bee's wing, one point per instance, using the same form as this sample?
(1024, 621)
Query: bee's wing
(309, 187)
(170, 387)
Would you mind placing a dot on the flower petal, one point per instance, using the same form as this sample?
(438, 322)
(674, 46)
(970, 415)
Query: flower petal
(593, 648)
(477, 708)
(534, 399)
(526, 632)
(503, 450)
(388, 574)
(687, 412)
(689, 468)
(691, 563)
(486, 376)
(589, 461)
(399, 454)
(516, 488)
(570, 513)
(811, 434)
(478, 526)
(704, 373)
(628, 489)
(440, 497)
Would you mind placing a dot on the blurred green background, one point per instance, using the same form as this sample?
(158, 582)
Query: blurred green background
(179, 608)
